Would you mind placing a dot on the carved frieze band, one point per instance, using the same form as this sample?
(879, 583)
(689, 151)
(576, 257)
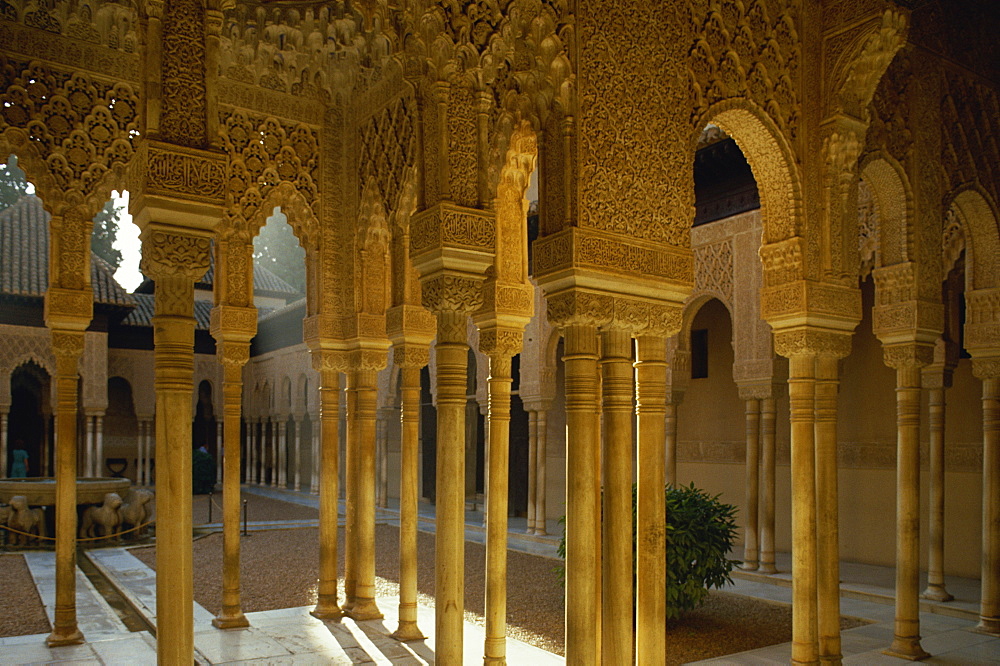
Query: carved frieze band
(908, 355)
(411, 355)
(804, 297)
(229, 322)
(166, 254)
(812, 341)
(64, 305)
(500, 342)
(445, 225)
(576, 247)
(578, 307)
(982, 323)
(184, 173)
(451, 293)
(410, 323)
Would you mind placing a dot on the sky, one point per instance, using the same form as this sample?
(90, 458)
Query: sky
(127, 242)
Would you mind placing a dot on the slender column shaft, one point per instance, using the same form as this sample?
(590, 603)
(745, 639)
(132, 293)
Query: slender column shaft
(935, 552)
(989, 611)
(276, 446)
(451, 353)
(351, 493)
(314, 431)
(750, 545)
(768, 414)
(365, 607)
(540, 479)
(651, 516)
(46, 429)
(408, 498)
(64, 627)
(297, 424)
(232, 398)
(140, 453)
(327, 607)
(3, 441)
(496, 509)
(99, 445)
(220, 451)
(583, 491)
(616, 592)
(88, 460)
(532, 448)
(670, 438)
(827, 532)
(252, 447)
(146, 454)
(282, 452)
(906, 642)
(174, 367)
(801, 390)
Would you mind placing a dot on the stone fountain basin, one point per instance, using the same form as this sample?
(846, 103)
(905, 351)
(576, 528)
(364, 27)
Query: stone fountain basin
(41, 491)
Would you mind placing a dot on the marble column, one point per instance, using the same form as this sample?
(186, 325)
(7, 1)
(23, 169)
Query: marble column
(618, 608)
(99, 444)
(827, 511)
(906, 641)
(67, 346)
(768, 415)
(276, 443)
(936, 379)
(351, 492)
(327, 606)
(583, 493)
(283, 451)
(88, 450)
(3, 439)
(409, 389)
(651, 519)
(315, 451)
(251, 451)
(233, 355)
(988, 370)
(801, 390)
(297, 426)
(500, 346)
(670, 443)
(364, 420)
(165, 260)
(750, 544)
(220, 451)
(541, 483)
(532, 455)
(451, 353)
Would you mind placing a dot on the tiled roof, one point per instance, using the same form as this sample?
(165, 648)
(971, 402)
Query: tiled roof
(265, 283)
(142, 315)
(24, 256)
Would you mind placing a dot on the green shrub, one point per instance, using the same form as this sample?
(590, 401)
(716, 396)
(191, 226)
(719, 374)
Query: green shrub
(701, 531)
(202, 472)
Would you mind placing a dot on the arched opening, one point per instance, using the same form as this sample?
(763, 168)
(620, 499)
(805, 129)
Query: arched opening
(121, 430)
(29, 421)
(204, 427)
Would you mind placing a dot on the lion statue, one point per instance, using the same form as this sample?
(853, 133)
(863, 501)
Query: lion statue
(25, 519)
(135, 511)
(102, 520)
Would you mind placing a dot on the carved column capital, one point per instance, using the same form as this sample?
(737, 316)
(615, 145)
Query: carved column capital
(986, 368)
(812, 342)
(580, 308)
(411, 355)
(231, 322)
(172, 254)
(908, 355)
(367, 359)
(70, 309)
(232, 355)
(982, 322)
(452, 293)
(496, 342)
(67, 347)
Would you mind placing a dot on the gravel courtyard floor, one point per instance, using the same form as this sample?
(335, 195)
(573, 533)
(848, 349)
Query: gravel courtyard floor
(279, 570)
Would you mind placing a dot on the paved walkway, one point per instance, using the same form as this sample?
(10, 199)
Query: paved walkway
(293, 636)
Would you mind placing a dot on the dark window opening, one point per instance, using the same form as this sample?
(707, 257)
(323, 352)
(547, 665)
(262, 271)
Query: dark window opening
(699, 354)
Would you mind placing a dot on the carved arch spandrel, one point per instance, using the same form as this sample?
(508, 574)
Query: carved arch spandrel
(890, 188)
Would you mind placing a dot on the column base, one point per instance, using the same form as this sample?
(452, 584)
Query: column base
(906, 648)
(988, 625)
(364, 609)
(328, 612)
(235, 621)
(59, 639)
(408, 631)
(767, 568)
(835, 659)
(936, 593)
(497, 661)
(749, 566)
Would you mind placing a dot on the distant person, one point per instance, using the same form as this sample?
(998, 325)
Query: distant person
(19, 468)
